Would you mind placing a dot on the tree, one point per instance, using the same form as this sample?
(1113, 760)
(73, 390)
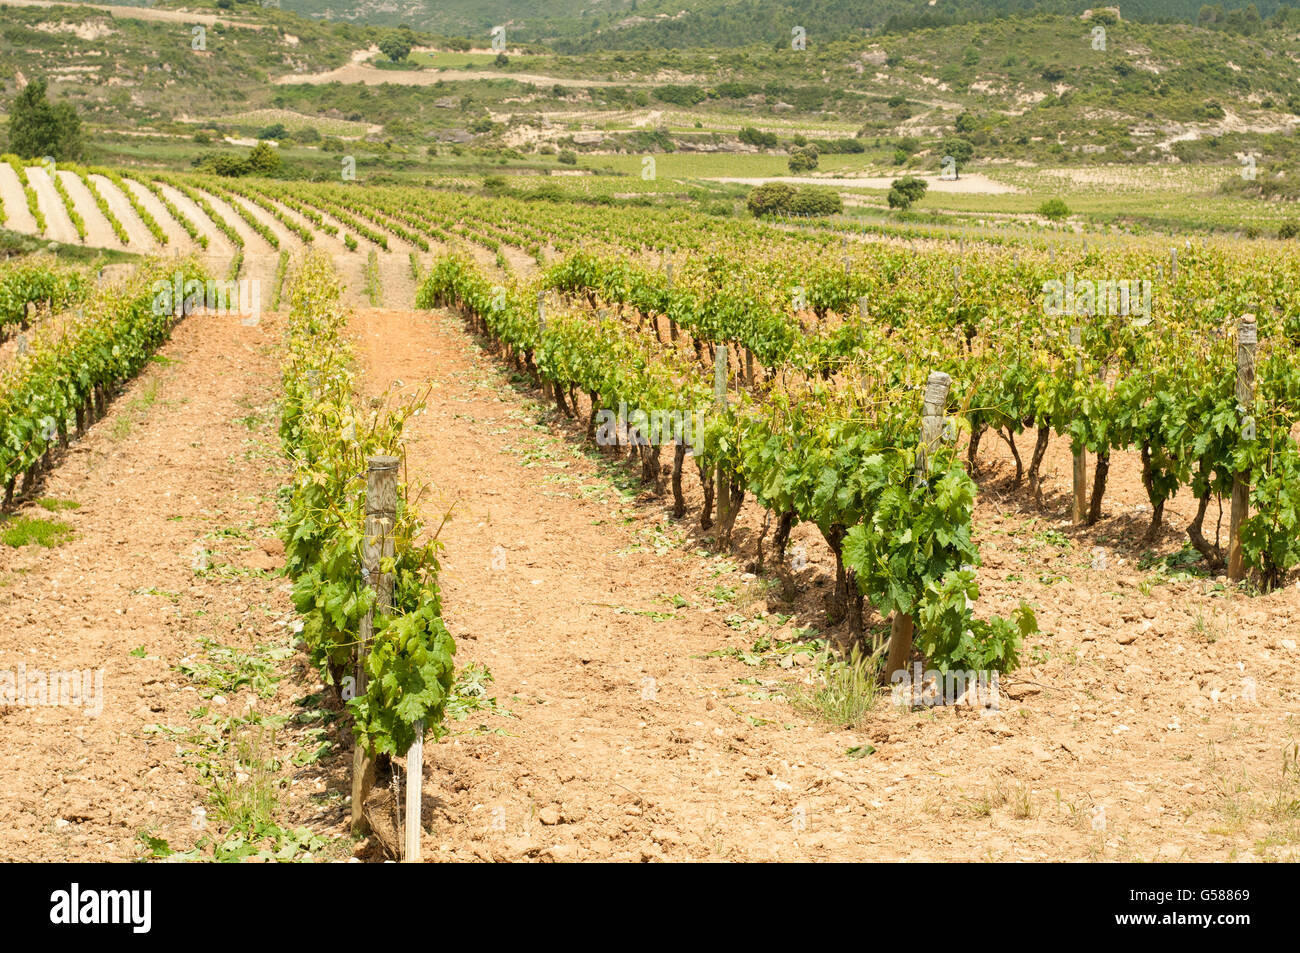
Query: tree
(395, 46)
(960, 149)
(39, 128)
(906, 192)
(803, 158)
(264, 159)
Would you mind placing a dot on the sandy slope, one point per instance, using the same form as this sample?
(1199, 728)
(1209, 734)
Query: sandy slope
(58, 225)
(141, 240)
(99, 233)
(178, 240)
(17, 216)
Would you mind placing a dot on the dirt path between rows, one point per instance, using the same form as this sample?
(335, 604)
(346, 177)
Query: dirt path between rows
(185, 464)
(628, 740)
(17, 217)
(140, 238)
(99, 232)
(58, 225)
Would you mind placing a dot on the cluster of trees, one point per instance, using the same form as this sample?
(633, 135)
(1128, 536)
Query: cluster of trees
(778, 198)
(756, 137)
(39, 128)
(261, 160)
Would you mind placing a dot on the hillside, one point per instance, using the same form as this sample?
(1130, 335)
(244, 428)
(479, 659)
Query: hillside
(576, 25)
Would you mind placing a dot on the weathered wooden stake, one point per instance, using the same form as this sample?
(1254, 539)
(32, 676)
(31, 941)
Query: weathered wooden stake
(1080, 510)
(932, 421)
(414, 791)
(720, 369)
(672, 323)
(541, 330)
(381, 517)
(1247, 343)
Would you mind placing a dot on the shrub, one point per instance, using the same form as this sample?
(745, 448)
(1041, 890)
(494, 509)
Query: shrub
(568, 157)
(755, 137)
(263, 159)
(816, 201)
(780, 198)
(1055, 209)
(802, 158)
(905, 192)
(1288, 230)
(774, 198)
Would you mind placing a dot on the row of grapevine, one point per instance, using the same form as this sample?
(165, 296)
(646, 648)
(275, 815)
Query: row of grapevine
(68, 373)
(844, 461)
(186, 223)
(69, 206)
(1127, 384)
(102, 204)
(151, 223)
(329, 437)
(33, 203)
(37, 281)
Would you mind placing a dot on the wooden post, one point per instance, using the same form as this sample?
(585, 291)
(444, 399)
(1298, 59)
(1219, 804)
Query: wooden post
(1080, 510)
(381, 516)
(862, 308)
(932, 418)
(414, 792)
(672, 324)
(720, 369)
(1247, 343)
(1173, 264)
(541, 330)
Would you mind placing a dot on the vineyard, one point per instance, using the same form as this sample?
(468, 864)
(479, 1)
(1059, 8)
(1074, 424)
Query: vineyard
(694, 495)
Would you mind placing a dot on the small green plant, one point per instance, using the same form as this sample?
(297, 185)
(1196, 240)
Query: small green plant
(842, 693)
(373, 283)
(28, 531)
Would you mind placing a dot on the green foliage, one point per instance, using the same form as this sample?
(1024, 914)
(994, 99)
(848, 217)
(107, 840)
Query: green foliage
(39, 128)
(396, 46)
(329, 440)
(779, 198)
(1054, 209)
(907, 191)
(802, 159)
